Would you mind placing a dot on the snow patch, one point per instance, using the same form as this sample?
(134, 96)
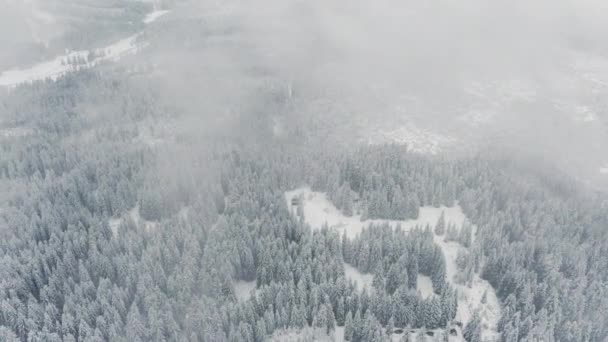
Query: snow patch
(361, 280)
(417, 139)
(133, 215)
(604, 169)
(153, 16)
(114, 224)
(244, 289)
(424, 285)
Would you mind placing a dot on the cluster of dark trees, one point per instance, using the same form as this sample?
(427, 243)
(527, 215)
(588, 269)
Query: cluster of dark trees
(221, 217)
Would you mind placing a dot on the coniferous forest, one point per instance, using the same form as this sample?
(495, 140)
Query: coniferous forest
(200, 189)
(212, 212)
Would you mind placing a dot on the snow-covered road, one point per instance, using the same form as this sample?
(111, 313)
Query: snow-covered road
(60, 65)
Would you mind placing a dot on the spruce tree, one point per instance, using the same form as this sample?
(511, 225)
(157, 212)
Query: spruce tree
(440, 226)
(348, 327)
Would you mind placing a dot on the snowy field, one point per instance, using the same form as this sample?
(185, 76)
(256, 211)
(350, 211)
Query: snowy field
(318, 210)
(59, 66)
(604, 169)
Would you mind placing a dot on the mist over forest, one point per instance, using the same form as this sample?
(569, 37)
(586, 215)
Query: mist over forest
(238, 170)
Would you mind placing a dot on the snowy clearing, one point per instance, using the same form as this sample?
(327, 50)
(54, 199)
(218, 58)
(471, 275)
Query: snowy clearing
(604, 169)
(244, 289)
(361, 280)
(424, 285)
(318, 211)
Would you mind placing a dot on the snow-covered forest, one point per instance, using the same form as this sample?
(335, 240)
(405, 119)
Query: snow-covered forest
(190, 190)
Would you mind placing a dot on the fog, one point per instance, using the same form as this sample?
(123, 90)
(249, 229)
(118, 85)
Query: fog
(239, 170)
(518, 76)
(524, 76)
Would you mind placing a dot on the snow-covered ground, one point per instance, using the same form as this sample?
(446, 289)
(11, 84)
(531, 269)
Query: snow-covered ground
(14, 132)
(417, 139)
(133, 215)
(153, 16)
(470, 298)
(318, 210)
(59, 66)
(424, 286)
(308, 334)
(361, 280)
(337, 335)
(604, 169)
(244, 289)
(55, 68)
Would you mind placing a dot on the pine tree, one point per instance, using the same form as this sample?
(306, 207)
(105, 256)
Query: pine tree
(412, 272)
(466, 234)
(348, 327)
(390, 327)
(440, 226)
(320, 319)
(398, 205)
(472, 331)
(394, 278)
(135, 325)
(340, 312)
(347, 252)
(357, 326)
(260, 331)
(378, 280)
